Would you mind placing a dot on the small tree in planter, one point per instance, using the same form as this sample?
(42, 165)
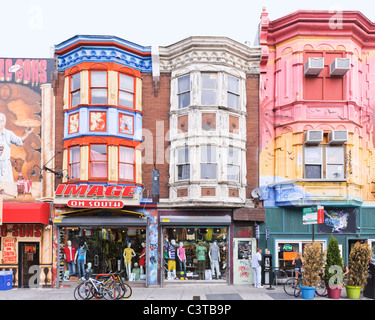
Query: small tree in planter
(359, 258)
(333, 272)
(313, 261)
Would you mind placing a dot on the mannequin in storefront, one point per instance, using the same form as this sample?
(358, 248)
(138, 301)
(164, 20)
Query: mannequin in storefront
(214, 255)
(182, 258)
(142, 258)
(137, 271)
(201, 255)
(69, 256)
(172, 259)
(89, 270)
(128, 255)
(80, 259)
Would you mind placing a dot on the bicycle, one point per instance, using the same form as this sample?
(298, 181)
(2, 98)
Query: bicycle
(320, 290)
(89, 288)
(126, 290)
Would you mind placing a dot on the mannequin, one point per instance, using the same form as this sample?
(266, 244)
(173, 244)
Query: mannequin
(201, 255)
(89, 269)
(182, 258)
(69, 256)
(172, 258)
(214, 254)
(128, 255)
(80, 259)
(142, 258)
(136, 271)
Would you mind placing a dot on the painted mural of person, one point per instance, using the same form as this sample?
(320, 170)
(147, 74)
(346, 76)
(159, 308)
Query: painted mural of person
(7, 137)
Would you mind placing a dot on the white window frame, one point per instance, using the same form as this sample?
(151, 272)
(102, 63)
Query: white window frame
(205, 162)
(209, 90)
(183, 162)
(230, 92)
(234, 161)
(183, 92)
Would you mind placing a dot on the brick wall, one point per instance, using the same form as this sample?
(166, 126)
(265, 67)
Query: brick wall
(156, 115)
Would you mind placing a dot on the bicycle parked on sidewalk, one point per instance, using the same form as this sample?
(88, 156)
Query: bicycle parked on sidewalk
(126, 290)
(293, 287)
(107, 289)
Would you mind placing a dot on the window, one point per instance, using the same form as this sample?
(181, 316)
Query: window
(98, 161)
(74, 163)
(126, 91)
(233, 94)
(233, 166)
(126, 163)
(183, 165)
(98, 87)
(75, 90)
(183, 92)
(324, 162)
(208, 162)
(209, 86)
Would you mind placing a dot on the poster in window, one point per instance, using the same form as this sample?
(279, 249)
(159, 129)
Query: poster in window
(338, 220)
(126, 124)
(98, 121)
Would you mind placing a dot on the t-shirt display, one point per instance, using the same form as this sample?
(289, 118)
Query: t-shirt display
(196, 245)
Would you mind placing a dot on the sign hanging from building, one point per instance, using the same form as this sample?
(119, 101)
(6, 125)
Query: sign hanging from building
(339, 220)
(313, 215)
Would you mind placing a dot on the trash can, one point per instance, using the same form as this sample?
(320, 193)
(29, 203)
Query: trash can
(369, 290)
(6, 280)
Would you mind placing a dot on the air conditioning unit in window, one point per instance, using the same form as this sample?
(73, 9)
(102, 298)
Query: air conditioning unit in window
(313, 66)
(339, 66)
(313, 137)
(338, 136)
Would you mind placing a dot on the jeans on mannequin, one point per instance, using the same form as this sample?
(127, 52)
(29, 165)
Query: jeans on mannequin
(215, 265)
(71, 268)
(81, 268)
(183, 265)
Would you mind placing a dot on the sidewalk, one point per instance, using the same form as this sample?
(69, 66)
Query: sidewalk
(170, 292)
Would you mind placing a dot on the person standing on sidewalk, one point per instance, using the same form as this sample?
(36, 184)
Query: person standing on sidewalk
(257, 269)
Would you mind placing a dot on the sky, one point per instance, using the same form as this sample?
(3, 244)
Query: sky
(29, 29)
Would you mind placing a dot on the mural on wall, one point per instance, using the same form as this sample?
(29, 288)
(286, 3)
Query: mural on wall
(20, 124)
(126, 124)
(339, 220)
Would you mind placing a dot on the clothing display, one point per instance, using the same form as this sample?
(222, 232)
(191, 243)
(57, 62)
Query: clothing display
(128, 255)
(143, 258)
(192, 252)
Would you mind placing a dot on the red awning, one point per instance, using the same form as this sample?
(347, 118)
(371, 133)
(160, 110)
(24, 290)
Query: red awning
(26, 212)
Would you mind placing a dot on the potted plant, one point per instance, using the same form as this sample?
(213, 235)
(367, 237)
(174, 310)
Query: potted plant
(333, 271)
(313, 261)
(359, 258)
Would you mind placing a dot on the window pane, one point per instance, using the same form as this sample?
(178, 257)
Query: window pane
(184, 100)
(76, 98)
(335, 155)
(183, 155)
(208, 171)
(183, 172)
(233, 101)
(75, 82)
(126, 99)
(233, 84)
(74, 154)
(208, 97)
(208, 154)
(75, 171)
(98, 152)
(313, 172)
(233, 172)
(126, 155)
(335, 171)
(74, 163)
(126, 83)
(98, 79)
(209, 80)
(126, 171)
(233, 156)
(184, 84)
(99, 96)
(98, 169)
(313, 155)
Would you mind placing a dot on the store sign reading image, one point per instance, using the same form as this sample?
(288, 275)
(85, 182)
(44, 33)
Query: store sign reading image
(82, 196)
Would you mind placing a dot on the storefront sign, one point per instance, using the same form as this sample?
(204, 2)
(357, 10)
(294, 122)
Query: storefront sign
(9, 251)
(95, 204)
(21, 230)
(67, 190)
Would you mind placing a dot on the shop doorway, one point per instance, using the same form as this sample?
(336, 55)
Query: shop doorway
(28, 256)
(244, 249)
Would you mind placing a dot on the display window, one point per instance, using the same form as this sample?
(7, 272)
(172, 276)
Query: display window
(195, 253)
(87, 251)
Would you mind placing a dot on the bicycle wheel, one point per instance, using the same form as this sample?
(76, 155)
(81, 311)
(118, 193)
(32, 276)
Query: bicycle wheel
(126, 290)
(85, 291)
(297, 289)
(321, 289)
(289, 286)
(111, 291)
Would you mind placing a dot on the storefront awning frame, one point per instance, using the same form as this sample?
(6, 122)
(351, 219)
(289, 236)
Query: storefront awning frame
(195, 220)
(79, 221)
